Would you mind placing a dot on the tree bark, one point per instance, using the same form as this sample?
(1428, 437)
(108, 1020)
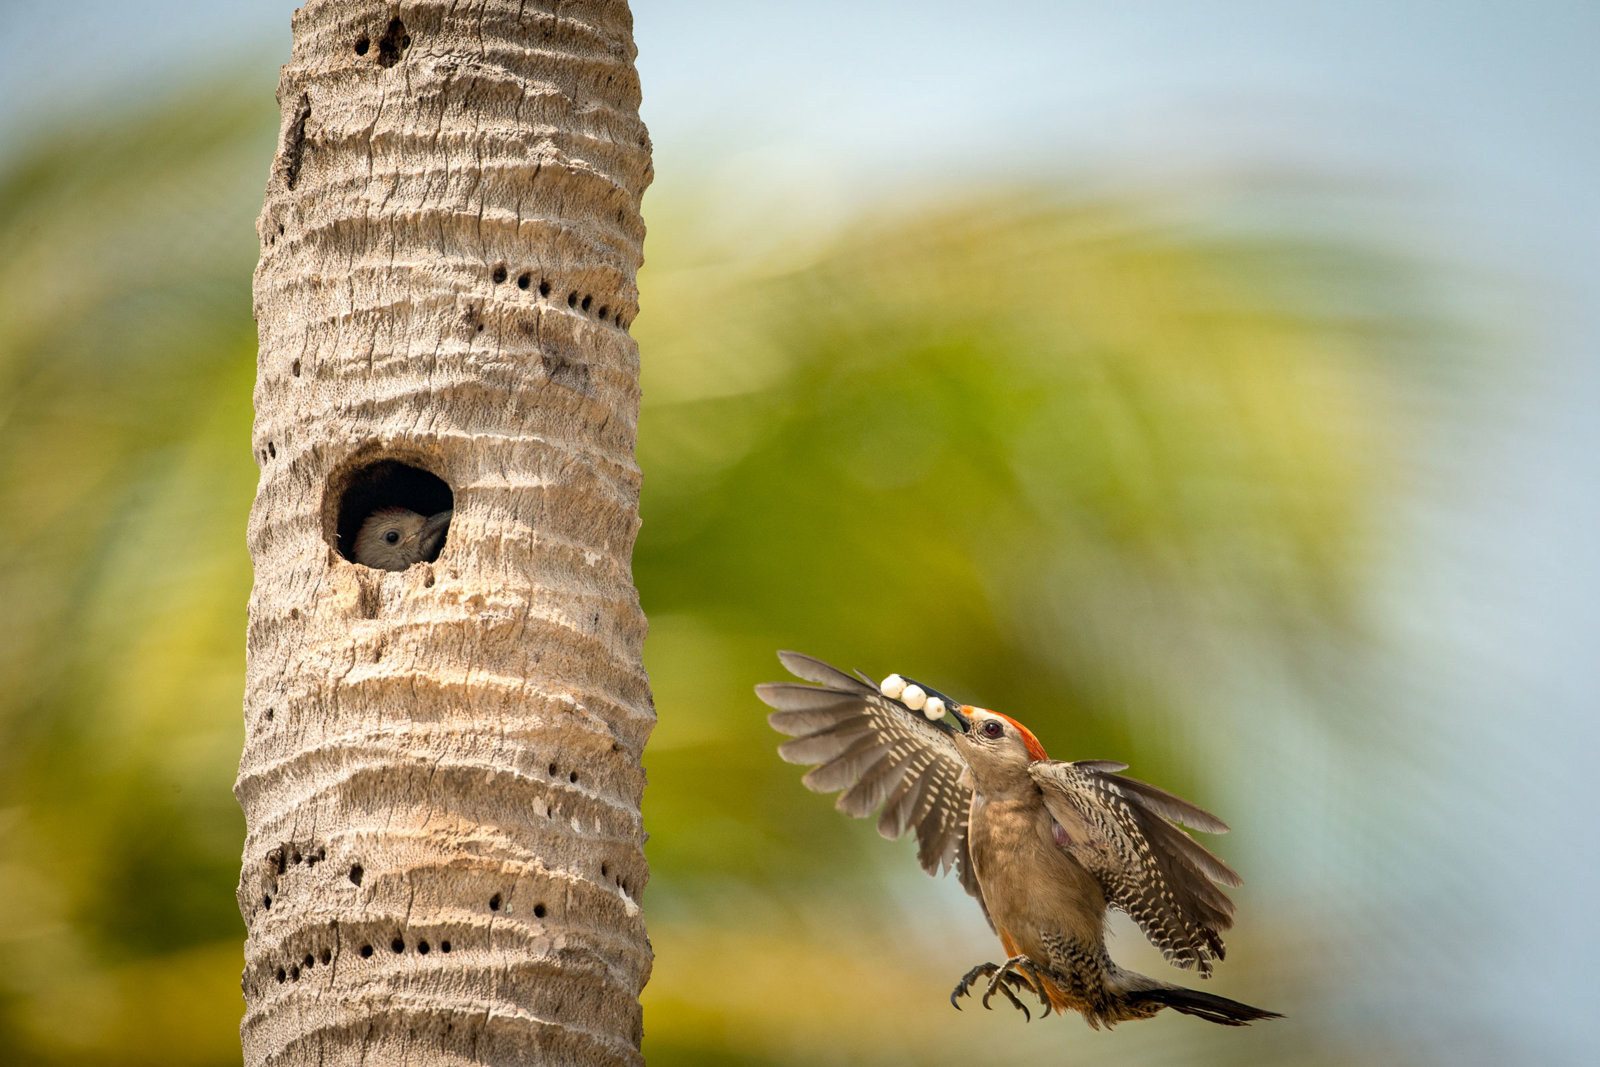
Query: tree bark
(441, 776)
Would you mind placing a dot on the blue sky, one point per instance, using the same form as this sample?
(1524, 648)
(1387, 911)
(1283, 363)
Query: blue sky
(1471, 127)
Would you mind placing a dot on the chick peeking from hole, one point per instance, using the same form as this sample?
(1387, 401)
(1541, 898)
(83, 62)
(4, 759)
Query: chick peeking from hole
(392, 539)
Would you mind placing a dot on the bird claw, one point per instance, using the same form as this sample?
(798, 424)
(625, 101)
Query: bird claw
(964, 986)
(998, 982)
(1017, 972)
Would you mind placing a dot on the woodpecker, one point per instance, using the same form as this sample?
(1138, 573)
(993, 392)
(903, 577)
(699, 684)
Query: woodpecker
(392, 539)
(1046, 847)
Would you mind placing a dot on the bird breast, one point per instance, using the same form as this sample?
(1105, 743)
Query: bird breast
(1030, 885)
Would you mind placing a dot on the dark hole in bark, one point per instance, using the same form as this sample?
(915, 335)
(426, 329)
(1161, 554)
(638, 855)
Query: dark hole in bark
(572, 300)
(362, 45)
(422, 947)
(552, 770)
(294, 368)
(444, 946)
(573, 777)
(604, 312)
(294, 857)
(544, 288)
(356, 874)
(494, 902)
(499, 274)
(366, 952)
(605, 870)
(398, 945)
(393, 43)
(269, 714)
(308, 962)
(388, 483)
(326, 957)
(294, 142)
(538, 911)
(282, 974)
(587, 300)
(294, 973)
(266, 900)
(524, 280)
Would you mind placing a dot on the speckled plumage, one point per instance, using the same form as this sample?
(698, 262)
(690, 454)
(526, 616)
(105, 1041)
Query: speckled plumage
(878, 752)
(1045, 846)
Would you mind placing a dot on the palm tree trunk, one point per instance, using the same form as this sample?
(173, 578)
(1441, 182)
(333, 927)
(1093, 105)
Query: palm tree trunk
(441, 776)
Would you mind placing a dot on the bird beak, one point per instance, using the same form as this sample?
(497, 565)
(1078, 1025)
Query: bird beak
(959, 713)
(433, 529)
(953, 710)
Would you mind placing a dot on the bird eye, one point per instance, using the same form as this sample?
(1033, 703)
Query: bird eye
(393, 537)
(993, 729)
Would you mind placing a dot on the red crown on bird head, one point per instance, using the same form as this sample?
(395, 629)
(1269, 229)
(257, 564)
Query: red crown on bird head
(1035, 749)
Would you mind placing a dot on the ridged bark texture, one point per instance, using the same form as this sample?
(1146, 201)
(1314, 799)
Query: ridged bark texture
(441, 777)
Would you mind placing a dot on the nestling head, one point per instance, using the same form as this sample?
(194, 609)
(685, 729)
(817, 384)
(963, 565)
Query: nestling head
(392, 539)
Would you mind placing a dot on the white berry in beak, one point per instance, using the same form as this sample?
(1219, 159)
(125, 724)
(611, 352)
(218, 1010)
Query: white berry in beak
(892, 686)
(913, 697)
(933, 709)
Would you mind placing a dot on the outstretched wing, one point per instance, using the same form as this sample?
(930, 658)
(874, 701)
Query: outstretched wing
(879, 752)
(1124, 832)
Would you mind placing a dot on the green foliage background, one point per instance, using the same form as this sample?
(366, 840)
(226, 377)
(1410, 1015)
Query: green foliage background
(1126, 474)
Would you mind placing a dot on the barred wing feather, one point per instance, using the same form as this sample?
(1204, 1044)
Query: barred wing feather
(1124, 832)
(878, 754)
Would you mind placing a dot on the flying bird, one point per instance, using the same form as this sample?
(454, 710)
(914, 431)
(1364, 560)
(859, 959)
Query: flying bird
(1046, 847)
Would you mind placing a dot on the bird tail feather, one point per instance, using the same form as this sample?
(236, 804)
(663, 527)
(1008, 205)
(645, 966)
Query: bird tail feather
(1206, 1006)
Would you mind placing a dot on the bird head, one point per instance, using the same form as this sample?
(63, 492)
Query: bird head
(988, 738)
(996, 747)
(392, 539)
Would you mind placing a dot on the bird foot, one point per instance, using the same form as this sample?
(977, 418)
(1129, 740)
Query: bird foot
(1018, 972)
